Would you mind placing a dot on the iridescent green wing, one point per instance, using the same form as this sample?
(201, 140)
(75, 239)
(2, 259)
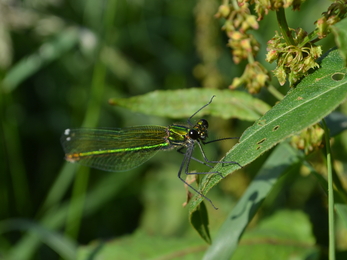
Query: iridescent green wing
(114, 149)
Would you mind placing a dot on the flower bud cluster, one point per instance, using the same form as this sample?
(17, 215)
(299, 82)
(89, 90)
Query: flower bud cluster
(309, 140)
(293, 61)
(262, 7)
(254, 78)
(336, 12)
(238, 22)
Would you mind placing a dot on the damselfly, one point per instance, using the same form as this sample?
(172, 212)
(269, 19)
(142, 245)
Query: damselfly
(123, 149)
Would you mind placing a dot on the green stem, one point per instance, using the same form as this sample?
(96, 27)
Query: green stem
(250, 58)
(13, 164)
(235, 4)
(275, 92)
(330, 193)
(282, 22)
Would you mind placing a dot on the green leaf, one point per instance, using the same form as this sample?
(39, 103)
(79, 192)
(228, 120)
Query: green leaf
(315, 96)
(341, 210)
(63, 246)
(185, 102)
(282, 236)
(63, 42)
(337, 122)
(143, 246)
(282, 160)
(199, 221)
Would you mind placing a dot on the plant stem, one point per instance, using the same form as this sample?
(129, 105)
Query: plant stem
(235, 4)
(282, 22)
(275, 92)
(330, 193)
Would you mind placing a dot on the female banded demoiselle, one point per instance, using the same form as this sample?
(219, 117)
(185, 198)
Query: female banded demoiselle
(123, 149)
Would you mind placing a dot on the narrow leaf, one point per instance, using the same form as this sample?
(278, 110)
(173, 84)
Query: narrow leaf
(185, 102)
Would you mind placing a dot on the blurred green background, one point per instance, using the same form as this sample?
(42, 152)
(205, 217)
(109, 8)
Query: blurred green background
(60, 62)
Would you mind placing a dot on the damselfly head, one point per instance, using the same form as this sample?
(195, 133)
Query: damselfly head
(199, 131)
